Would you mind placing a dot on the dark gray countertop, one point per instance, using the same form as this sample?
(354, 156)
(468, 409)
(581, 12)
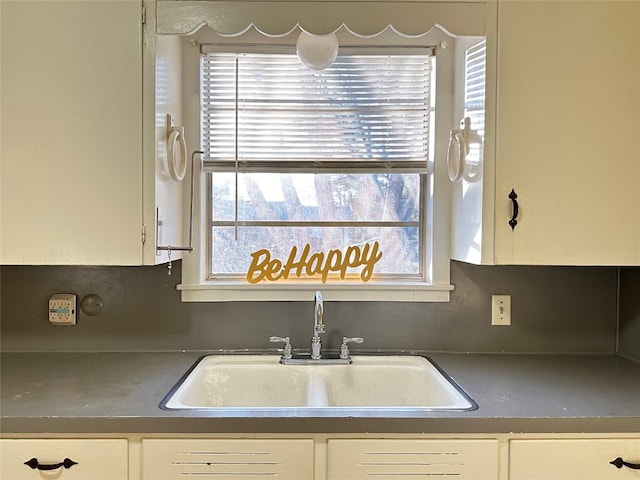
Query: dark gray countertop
(120, 393)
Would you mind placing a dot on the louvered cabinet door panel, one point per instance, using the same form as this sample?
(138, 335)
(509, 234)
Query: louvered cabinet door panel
(234, 459)
(412, 459)
(64, 459)
(573, 459)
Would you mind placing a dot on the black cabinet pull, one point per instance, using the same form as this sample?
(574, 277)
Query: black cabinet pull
(618, 462)
(66, 463)
(513, 196)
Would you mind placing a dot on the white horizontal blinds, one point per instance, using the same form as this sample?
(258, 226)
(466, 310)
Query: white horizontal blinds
(364, 113)
(474, 85)
(474, 97)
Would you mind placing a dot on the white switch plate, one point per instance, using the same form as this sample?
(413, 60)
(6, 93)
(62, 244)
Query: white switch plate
(500, 309)
(62, 309)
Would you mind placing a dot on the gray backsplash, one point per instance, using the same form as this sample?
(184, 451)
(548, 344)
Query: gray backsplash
(554, 310)
(629, 343)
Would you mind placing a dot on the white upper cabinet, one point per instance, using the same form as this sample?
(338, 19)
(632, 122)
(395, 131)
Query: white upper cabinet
(83, 144)
(566, 76)
(71, 133)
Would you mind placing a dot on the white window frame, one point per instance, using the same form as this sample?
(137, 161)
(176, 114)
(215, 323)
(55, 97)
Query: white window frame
(195, 287)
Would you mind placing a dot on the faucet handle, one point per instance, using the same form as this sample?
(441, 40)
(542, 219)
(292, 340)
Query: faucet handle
(344, 348)
(286, 350)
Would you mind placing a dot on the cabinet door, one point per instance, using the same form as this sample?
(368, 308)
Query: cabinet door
(568, 120)
(71, 151)
(572, 459)
(232, 459)
(392, 459)
(94, 459)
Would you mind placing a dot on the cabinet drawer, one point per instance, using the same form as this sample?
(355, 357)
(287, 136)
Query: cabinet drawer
(234, 459)
(411, 459)
(95, 459)
(567, 459)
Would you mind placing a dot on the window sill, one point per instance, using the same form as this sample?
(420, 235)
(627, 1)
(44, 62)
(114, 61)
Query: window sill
(370, 292)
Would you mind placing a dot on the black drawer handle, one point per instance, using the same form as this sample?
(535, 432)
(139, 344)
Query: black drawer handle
(66, 463)
(513, 222)
(618, 462)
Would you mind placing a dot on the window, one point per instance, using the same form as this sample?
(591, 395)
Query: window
(474, 104)
(331, 159)
(302, 167)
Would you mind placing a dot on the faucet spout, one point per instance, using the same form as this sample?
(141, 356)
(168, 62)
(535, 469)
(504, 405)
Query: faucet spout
(318, 311)
(318, 326)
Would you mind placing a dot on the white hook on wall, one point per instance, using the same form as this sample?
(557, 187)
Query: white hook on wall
(458, 149)
(176, 161)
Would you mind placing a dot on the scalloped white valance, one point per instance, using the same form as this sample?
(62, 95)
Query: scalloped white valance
(320, 17)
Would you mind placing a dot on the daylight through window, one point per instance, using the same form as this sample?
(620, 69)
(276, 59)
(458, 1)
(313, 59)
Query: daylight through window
(330, 158)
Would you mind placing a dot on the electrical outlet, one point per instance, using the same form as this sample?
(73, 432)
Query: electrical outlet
(500, 309)
(62, 309)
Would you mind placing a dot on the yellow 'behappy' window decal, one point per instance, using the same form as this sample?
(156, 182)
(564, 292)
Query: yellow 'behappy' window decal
(263, 267)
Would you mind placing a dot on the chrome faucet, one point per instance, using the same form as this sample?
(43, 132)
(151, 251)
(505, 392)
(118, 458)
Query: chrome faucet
(318, 327)
(289, 358)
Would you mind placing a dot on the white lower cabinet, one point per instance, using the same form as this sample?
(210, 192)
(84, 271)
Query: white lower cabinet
(231, 459)
(65, 459)
(323, 457)
(393, 459)
(573, 459)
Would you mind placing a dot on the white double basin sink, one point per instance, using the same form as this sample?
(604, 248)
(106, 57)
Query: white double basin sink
(260, 384)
